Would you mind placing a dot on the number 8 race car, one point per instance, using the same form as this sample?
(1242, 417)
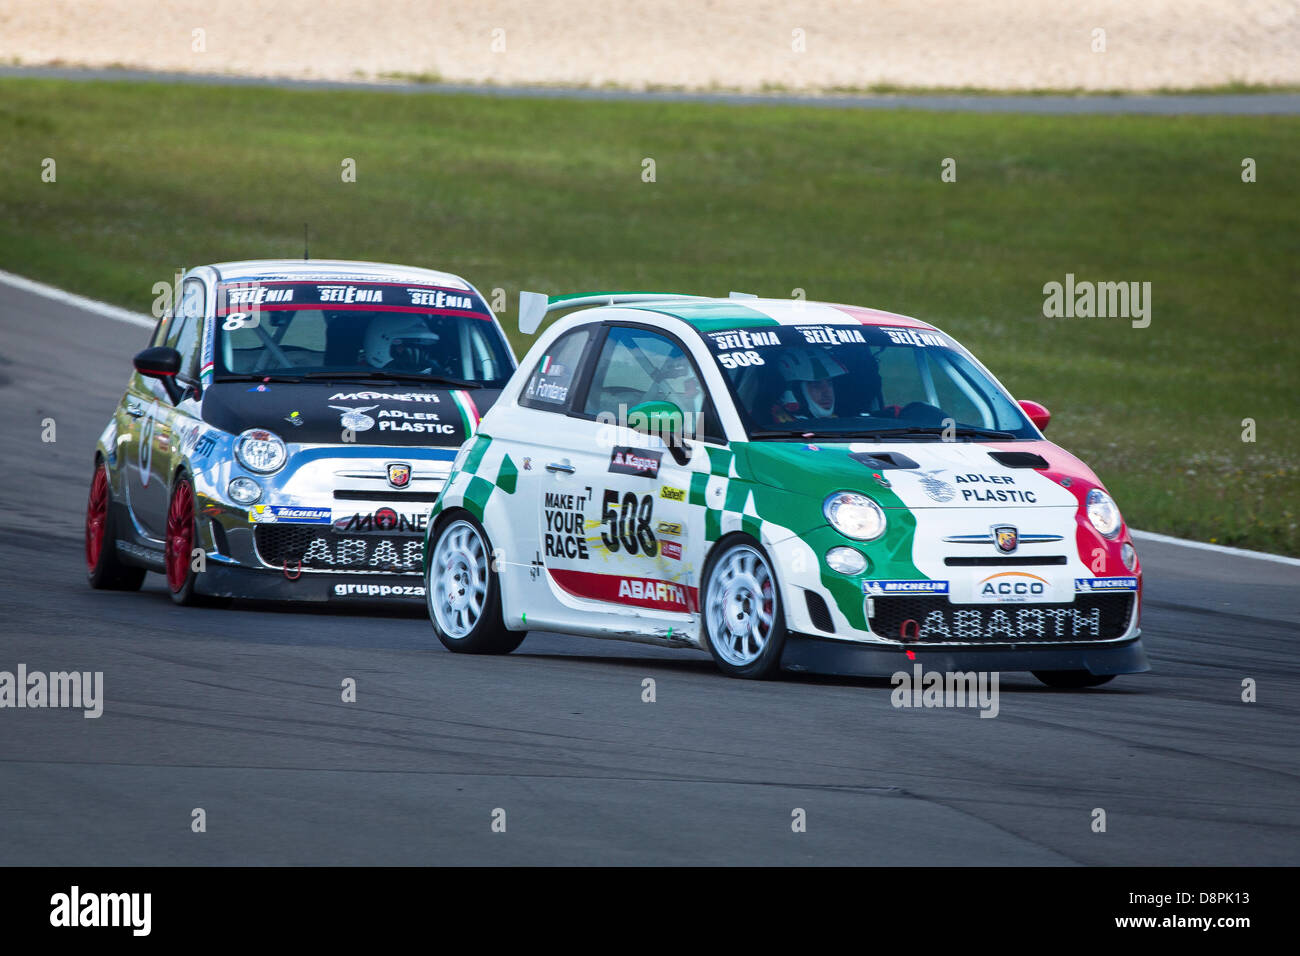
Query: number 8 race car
(788, 484)
(288, 430)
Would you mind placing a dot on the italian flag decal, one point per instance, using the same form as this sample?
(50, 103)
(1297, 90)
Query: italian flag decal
(469, 415)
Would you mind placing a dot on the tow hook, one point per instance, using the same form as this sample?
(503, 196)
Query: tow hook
(296, 575)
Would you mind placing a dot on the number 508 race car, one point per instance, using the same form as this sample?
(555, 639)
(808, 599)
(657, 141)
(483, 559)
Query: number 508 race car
(288, 429)
(788, 484)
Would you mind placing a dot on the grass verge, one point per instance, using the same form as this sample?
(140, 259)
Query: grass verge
(847, 205)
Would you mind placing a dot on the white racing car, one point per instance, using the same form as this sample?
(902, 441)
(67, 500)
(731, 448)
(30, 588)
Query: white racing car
(788, 484)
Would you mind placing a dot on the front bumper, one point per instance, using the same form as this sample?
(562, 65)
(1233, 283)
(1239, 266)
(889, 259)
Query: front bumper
(258, 584)
(822, 656)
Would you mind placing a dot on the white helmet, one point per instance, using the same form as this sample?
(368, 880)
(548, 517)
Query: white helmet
(402, 342)
(802, 368)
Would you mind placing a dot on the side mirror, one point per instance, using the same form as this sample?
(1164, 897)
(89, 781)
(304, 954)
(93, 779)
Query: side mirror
(663, 420)
(160, 362)
(1038, 414)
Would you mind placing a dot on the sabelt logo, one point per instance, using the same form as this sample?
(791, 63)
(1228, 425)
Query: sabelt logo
(1014, 586)
(669, 493)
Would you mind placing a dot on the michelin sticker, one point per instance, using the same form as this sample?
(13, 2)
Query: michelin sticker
(281, 514)
(904, 587)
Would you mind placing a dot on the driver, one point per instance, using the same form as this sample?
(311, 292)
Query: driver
(401, 343)
(677, 383)
(808, 375)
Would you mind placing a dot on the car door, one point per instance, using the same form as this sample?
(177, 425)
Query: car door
(629, 491)
(536, 439)
(152, 406)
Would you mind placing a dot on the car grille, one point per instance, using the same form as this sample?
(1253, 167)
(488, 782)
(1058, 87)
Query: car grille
(317, 548)
(933, 619)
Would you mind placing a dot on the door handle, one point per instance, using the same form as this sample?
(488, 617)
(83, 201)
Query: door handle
(559, 466)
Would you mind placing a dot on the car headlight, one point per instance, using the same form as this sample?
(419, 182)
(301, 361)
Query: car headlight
(846, 560)
(245, 491)
(1103, 513)
(260, 451)
(854, 515)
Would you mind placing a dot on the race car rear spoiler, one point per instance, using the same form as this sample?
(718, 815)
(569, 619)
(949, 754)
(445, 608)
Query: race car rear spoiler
(534, 306)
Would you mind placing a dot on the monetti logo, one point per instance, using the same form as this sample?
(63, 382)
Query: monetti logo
(76, 909)
(36, 689)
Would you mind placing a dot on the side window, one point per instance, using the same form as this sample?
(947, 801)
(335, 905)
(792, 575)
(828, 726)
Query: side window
(548, 387)
(637, 365)
(187, 328)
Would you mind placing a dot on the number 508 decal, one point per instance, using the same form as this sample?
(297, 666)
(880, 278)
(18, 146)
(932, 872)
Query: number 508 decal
(628, 523)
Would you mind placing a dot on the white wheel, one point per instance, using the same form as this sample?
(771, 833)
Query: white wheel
(458, 580)
(742, 613)
(463, 593)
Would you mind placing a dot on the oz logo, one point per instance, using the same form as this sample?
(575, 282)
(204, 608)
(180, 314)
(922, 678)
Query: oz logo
(144, 453)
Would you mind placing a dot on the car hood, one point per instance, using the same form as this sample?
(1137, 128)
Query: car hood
(335, 413)
(922, 475)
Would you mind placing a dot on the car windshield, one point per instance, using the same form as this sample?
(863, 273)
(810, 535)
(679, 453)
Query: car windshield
(319, 329)
(861, 382)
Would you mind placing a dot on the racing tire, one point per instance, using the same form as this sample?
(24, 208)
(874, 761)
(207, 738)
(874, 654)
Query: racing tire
(463, 592)
(744, 625)
(1072, 680)
(105, 570)
(182, 579)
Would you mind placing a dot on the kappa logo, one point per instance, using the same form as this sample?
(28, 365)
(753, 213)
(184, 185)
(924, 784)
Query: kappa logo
(936, 488)
(635, 461)
(355, 418)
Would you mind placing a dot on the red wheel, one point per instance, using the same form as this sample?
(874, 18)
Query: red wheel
(104, 569)
(180, 542)
(96, 518)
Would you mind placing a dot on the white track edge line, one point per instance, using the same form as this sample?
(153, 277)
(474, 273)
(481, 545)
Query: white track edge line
(1218, 548)
(80, 301)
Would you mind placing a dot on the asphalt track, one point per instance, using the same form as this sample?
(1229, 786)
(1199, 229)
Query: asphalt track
(239, 712)
(1165, 104)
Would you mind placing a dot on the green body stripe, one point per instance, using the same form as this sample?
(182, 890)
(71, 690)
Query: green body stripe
(476, 453)
(699, 482)
(712, 316)
(508, 476)
(712, 525)
(719, 460)
(752, 527)
(476, 496)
